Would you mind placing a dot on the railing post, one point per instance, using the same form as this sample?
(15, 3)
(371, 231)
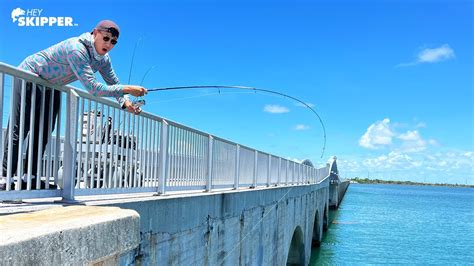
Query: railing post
(209, 165)
(255, 169)
(163, 158)
(69, 156)
(279, 170)
(300, 173)
(269, 169)
(2, 85)
(286, 172)
(237, 167)
(293, 175)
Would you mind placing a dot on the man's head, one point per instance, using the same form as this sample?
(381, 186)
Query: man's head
(105, 34)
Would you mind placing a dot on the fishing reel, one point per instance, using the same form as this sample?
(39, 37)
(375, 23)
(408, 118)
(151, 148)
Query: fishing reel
(138, 103)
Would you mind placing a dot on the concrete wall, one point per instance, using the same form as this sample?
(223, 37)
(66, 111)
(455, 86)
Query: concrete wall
(74, 235)
(334, 195)
(251, 227)
(342, 190)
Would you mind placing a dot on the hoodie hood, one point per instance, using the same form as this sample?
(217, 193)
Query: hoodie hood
(88, 40)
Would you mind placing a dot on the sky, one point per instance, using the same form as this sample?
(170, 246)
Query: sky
(392, 80)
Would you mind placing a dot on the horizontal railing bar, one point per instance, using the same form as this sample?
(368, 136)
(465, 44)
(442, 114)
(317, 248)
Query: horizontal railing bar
(182, 188)
(29, 194)
(108, 191)
(223, 186)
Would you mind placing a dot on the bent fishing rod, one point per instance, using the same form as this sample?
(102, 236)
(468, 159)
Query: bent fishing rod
(142, 102)
(250, 89)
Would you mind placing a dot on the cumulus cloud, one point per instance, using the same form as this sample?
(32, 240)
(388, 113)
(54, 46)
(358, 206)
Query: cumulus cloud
(410, 136)
(442, 166)
(393, 160)
(275, 109)
(432, 55)
(377, 135)
(382, 134)
(412, 141)
(301, 127)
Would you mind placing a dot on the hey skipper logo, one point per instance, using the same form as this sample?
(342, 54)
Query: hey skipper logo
(34, 18)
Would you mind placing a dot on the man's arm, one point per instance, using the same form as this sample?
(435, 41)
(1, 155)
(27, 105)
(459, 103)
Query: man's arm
(108, 74)
(79, 63)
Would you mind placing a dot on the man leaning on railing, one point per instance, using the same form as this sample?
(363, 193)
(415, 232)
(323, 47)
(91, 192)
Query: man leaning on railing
(77, 58)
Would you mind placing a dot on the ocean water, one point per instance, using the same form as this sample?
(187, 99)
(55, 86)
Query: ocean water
(395, 224)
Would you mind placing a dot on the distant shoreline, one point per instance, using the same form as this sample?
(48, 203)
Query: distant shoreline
(390, 182)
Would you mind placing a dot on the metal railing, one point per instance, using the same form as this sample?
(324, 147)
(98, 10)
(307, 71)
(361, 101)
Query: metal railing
(94, 147)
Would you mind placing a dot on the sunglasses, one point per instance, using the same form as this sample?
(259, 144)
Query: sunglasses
(112, 41)
(107, 38)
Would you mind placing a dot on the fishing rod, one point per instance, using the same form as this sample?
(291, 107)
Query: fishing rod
(140, 102)
(248, 89)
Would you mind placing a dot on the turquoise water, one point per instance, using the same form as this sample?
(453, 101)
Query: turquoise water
(400, 225)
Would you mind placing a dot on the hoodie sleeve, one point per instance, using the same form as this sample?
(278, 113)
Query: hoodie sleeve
(108, 74)
(78, 59)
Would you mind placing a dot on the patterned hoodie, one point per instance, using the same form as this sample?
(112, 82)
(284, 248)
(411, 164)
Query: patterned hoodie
(76, 59)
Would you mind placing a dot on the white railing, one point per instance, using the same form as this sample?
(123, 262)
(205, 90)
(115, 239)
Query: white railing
(98, 148)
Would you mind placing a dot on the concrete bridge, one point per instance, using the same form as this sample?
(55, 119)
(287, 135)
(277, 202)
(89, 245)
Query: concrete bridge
(114, 188)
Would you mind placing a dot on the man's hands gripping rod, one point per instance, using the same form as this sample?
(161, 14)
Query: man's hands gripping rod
(137, 91)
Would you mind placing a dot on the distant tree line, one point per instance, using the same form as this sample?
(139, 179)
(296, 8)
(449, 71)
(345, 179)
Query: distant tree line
(395, 182)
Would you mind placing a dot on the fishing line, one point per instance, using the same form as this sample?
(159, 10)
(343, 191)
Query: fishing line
(146, 73)
(133, 57)
(218, 87)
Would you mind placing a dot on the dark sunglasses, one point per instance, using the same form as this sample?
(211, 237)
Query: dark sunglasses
(107, 38)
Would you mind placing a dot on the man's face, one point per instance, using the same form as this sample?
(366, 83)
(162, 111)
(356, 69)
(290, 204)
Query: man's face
(103, 41)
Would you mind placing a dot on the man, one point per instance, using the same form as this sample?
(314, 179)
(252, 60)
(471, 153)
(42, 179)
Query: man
(74, 59)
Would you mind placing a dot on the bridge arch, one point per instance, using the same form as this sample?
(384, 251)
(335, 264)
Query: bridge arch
(317, 232)
(296, 254)
(326, 217)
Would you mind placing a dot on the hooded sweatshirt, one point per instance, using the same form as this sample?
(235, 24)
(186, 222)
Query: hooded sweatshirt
(76, 59)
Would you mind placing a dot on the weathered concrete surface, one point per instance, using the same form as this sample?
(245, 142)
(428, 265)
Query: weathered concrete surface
(337, 190)
(334, 194)
(249, 227)
(74, 235)
(342, 190)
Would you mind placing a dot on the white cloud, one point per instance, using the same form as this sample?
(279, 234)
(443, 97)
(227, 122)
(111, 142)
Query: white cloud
(382, 134)
(434, 167)
(377, 135)
(432, 55)
(412, 141)
(301, 127)
(275, 109)
(436, 54)
(393, 160)
(410, 136)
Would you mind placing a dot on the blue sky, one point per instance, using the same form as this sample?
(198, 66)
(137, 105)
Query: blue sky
(392, 80)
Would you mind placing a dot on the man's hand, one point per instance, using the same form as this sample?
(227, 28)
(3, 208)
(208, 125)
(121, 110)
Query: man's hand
(131, 108)
(137, 91)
